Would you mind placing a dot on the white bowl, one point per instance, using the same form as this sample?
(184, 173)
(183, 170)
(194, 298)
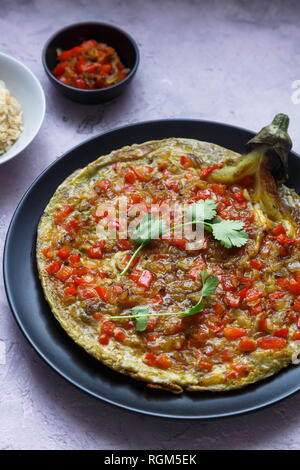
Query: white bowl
(25, 87)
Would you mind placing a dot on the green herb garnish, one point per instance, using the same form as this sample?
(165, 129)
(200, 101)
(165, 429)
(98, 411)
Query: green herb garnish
(228, 232)
(142, 313)
(148, 229)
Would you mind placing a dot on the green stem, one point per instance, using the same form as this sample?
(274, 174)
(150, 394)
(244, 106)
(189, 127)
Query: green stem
(207, 226)
(122, 317)
(132, 258)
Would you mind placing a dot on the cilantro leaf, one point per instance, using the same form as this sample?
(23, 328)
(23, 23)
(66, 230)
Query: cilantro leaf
(195, 309)
(209, 286)
(202, 210)
(203, 276)
(141, 315)
(230, 233)
(150, 228)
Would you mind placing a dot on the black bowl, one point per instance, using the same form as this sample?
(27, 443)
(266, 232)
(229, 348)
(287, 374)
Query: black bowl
(72, 36)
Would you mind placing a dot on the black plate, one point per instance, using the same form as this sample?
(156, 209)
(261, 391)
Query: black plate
(49, 339)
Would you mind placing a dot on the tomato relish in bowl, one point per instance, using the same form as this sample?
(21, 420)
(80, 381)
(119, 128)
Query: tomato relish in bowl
(91, 65)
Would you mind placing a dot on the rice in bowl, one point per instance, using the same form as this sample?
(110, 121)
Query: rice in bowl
(11, 122)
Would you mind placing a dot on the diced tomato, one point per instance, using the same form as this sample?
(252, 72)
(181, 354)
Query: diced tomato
(106, 68)
(232, 300)
(282, 332)
(80, 83)
(54, 267)
(89, 293)
(66, 55)
(130, 177)
(80, 62)
(186, 162)
(179, 242)
(70, 291)
(123, 244)
(59, 70)
(173, 186)
(64, 273)
(269, 342)
(283, 240)
(78, 281)
(72, 225)
(276, 295)
(92, 67)
(74, 258)
(256, 309)
(162, 166)
(103, 185)
(239, 197)
(227, 355)
(118, 290)
(253, 294)
(95, 253)
(152, 337)
(203, 194)
(262, 324)
(135, 198)
(102, 292)
(247, 345)
(279, 230)
(219, 309)
(283, 282)
(108, 328)
(158, 300)
(80, 271)
(119, 335)
(204, 365)
(134, 262)
(296, 306)
(296, 336)
(246, 281)
(243, 293)
(98, 316)
(64, 253)
(228, 285)
(256, 264)
(48, 252)
(294, 286)
(103, 339)
(102, 275)
(142, 173)
(241, 369)
(206, 171)
(149, 359)
(199, 265)
(62, 213)
(164, 362)
(232, 333)
(145, 279)
(218, 188)
(151, 323)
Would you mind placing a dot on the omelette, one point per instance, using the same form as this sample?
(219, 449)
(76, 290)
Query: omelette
(215, 307)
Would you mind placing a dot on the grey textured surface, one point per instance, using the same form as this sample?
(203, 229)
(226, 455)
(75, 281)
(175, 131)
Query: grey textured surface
(231, 61)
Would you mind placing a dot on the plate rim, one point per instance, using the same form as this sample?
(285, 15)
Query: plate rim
(37, 349)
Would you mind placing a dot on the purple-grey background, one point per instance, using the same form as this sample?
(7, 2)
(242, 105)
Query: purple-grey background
(232, 61)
